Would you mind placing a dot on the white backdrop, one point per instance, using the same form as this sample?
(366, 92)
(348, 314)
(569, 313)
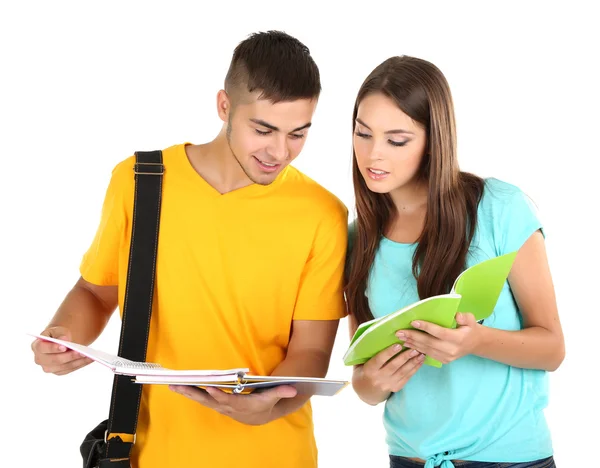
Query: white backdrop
(83, 86)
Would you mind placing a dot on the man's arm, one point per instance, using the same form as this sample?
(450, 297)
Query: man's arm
(319, 307)
(86, 310)
(81, 317)
(308, 355)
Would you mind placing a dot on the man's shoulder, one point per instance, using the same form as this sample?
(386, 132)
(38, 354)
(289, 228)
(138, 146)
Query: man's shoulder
(321, 199)
(125, 167)
(122, 173)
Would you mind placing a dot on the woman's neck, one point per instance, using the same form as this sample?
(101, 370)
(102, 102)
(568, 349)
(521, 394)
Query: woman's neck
(410, 198)
(408, 218)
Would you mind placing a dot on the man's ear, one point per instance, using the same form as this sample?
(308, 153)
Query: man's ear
(223, 105)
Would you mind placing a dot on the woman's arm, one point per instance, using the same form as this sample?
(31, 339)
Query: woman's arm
(540, 345)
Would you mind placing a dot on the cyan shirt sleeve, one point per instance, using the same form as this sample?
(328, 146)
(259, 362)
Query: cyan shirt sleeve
(519, 220)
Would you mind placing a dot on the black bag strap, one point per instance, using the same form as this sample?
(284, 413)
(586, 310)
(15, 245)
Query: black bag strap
(139, 292)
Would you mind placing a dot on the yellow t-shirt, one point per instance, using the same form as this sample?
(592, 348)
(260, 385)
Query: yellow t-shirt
(233, 271)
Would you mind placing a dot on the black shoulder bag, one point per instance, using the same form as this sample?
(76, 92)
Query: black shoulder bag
(109, 444)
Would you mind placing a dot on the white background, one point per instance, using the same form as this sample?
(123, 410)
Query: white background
(84, 86)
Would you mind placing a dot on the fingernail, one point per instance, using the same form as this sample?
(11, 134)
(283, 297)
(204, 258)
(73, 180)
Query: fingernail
(421, 357)
(62, 348)
(416, 324)
(414, 352)
(401, 335)
(397, 347)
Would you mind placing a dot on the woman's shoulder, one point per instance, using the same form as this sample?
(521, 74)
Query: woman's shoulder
(507, 214)
(499, 196)
(500, 190)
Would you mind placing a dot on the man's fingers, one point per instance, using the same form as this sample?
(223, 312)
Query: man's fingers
(63, 368)
(219, 395)
(73, 366)
(60, 333)
(47, 347)
(279, 392)
(44, 346)
(58, 359)
(197, 394)
(67, 367)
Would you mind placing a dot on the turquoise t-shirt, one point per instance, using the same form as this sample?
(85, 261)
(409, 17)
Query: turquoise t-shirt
(473, 408)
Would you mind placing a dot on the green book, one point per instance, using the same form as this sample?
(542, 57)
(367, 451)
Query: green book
(476, 290)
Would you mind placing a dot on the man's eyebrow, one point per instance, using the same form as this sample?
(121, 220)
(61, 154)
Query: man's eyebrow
(276, 129)
(306, 125)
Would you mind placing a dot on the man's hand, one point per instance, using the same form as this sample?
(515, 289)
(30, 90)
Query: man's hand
(55, 358)
(443, 344)
(254, 409)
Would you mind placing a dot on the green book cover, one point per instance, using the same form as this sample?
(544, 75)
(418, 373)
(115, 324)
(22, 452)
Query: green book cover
(476, 290)
(481, 285)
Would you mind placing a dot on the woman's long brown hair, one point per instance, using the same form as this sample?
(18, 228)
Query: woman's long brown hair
(421, 91)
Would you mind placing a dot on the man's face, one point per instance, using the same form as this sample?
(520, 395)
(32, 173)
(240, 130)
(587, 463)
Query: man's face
(265, 137)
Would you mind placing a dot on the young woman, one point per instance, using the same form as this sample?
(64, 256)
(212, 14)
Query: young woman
(420, 222)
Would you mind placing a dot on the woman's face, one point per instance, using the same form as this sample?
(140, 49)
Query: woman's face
(388, 144)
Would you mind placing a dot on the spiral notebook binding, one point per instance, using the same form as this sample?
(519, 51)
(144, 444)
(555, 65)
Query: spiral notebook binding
(241, 382)
(136, 365)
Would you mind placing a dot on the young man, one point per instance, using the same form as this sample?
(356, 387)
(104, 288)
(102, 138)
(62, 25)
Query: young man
(249, 273)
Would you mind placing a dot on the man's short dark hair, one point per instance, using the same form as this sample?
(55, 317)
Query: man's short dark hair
(276, 64)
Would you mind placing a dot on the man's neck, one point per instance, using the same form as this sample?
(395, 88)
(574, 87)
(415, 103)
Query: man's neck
(217, 165)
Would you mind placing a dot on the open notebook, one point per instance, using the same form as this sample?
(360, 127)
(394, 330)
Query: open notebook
(245, 383)
(476, 290)
(237, 380)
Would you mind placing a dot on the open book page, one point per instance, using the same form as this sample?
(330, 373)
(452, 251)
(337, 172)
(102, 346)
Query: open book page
(123, 366)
